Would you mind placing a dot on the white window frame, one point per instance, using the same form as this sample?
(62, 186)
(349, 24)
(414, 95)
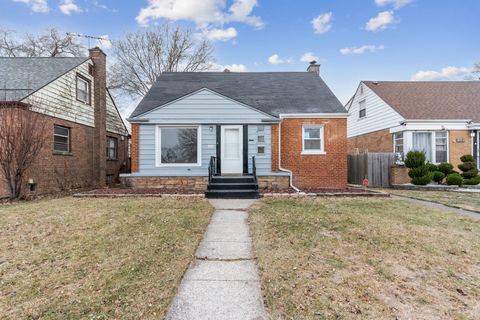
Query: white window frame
(433, 143)
(364, 101)
(87, 85)
(395, 141)
(158, 146)
(63, 136)
(322, 140)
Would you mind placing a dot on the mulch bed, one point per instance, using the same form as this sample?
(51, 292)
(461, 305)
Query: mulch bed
(140, 192)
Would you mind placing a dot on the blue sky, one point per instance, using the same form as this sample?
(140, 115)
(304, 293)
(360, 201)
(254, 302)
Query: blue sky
(353, 39)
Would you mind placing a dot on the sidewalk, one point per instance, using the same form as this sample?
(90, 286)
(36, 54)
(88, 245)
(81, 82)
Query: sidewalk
(222, 281)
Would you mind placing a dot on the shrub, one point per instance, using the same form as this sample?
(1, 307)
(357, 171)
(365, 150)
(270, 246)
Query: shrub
(445, 167)
(423, 180)
(469, 168)
(415, 159)
(418, 172)
(472, 181)
(454, 179)
(431, 167)
(438, 176)
(467, 158)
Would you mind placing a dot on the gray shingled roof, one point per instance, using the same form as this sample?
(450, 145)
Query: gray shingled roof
(271, 92)
(21, 76)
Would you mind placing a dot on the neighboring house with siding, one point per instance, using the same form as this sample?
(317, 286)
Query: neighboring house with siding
(441, 118)
(290, 122)
(89, 140)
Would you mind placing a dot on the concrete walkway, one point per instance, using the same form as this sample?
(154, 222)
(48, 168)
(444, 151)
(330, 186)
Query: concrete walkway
(222, 281)
(434, 205)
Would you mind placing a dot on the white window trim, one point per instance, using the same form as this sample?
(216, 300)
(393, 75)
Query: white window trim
(433, 143)
(158, 147)
(395, 141)
(322, 140)
(87, 86)
(364, 108)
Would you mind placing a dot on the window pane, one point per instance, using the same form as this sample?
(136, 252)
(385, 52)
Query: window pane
(178, 145)
(260, 128)
(58, 146)
(61, 139)
(422, 141)
(441, 156)
(111, 154)
(312, 133)
(60, 130)
(261, 139)
(261, 150)
(312, 145)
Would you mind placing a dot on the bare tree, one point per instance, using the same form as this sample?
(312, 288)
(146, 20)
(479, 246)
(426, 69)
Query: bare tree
(51, 43)
(143, 55)
(22, 136)
(476, 71)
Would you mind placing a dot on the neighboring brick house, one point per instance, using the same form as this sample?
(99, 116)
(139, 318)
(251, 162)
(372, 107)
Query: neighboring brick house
(441, 118)
(89, 141)
(191, 123)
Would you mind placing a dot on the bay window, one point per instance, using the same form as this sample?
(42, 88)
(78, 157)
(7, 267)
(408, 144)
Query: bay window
(178, 146)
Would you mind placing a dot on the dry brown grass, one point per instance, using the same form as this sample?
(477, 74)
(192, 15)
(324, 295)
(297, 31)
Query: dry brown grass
(462, 200)
(96, 258)
(366, 259)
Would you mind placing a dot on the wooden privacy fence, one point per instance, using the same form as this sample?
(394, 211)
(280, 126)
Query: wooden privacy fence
(373, 166)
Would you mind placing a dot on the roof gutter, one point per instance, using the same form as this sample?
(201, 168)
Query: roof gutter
(312, 115)
(280, 159)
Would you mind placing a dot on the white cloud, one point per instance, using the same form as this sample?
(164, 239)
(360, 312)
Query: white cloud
(221, 34)
(447, 73)
(381, 21)
(203, 13)
(36, 5)
(361, 50)
(232, 67)
(308, 57)
(322, 23)
(396, 3)
(105, 42)
(69, 6)
(275, 59)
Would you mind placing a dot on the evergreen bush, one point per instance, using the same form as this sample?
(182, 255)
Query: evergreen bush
(454, 179)
(420, 173)
(446, 168)
(438, 176)
(469, 169)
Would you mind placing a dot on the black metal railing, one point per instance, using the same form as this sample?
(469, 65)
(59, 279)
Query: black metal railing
(212, 168)
(254, 169)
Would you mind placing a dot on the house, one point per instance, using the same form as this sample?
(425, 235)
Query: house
(289, 123)
(438, 117)
(88, 140)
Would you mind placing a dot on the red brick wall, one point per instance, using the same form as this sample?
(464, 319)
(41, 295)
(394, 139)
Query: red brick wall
(315, 171)
(119, 165)
(58, 172)
(378, 141)
(135, 145)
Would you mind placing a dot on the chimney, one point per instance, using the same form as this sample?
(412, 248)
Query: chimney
(314, 67)
(100, 113)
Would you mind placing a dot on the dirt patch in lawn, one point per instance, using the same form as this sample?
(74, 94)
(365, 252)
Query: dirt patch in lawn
(96, 258)
(360, 258)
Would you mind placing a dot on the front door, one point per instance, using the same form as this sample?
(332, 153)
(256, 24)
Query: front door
(232, 150)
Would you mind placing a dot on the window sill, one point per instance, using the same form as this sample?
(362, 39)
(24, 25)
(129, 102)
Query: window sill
(313, 153)
(60, 153)
(84, 102)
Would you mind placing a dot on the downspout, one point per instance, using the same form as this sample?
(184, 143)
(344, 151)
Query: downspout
(280, 158)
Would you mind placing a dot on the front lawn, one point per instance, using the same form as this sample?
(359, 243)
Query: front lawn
(96, 258)
(366, 258)
(463, 200)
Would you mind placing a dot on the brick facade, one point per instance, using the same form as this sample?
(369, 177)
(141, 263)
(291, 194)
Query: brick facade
(399, 175)
(327, 170)
(456, 149)
(135, 145)
(378, 141)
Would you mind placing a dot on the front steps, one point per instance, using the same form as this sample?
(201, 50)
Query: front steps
(231, 187)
